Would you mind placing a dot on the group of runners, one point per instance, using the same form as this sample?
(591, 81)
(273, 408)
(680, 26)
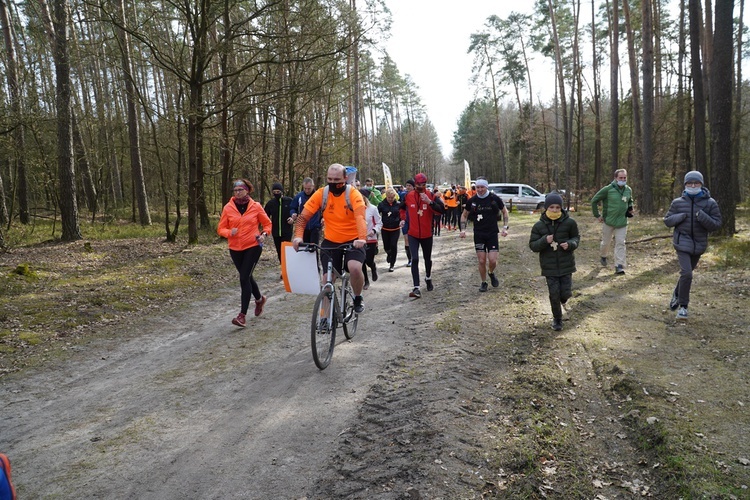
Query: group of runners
(361, 216)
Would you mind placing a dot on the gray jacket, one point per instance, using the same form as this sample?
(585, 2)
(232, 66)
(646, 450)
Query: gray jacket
(692, 218)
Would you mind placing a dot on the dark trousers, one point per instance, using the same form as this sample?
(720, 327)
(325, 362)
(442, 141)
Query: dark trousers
(371, 250)
(560, 290)
(414, 244)
(390, 245)
(245, 262)
(688, 263)
(311, 236)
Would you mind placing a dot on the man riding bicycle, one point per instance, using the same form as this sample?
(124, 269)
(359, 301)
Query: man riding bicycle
(343, 211)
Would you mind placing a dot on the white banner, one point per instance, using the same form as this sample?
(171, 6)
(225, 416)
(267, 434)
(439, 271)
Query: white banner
(467, 175)
(387, 175)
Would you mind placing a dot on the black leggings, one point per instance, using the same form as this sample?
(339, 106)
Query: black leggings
(426, 244)
(390, 245)
(245, 261)
(370, 251)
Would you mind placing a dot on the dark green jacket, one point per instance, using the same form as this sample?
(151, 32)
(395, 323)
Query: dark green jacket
(616, 201)
(553, 260)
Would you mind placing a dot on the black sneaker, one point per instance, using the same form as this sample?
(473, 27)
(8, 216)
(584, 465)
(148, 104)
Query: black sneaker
(374, 274)
(359, 304)
(557, 325)
(673, 303)
(408, 264)
(390, 269)
(429, 284)
(483, 286)
(619, 269)
(494, 281)
(603, 261)
(415, 293)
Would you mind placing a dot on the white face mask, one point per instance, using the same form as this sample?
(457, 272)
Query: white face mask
(621, 183)
(692, 190)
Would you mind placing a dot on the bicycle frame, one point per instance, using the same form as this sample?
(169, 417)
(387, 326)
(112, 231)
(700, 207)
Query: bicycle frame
(330, 278)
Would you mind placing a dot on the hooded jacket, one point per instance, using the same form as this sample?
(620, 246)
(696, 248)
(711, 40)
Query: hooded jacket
(247, 224)
(553, 260)
(692, 218)
(616, 201)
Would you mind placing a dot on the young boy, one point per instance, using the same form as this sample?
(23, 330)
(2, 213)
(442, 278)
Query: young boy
(555, 237)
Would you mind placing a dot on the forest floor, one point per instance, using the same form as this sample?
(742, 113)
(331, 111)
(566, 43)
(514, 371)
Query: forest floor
(121, 376)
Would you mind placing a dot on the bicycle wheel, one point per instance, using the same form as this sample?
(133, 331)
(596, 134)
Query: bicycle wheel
(351, 318)
(323, 329)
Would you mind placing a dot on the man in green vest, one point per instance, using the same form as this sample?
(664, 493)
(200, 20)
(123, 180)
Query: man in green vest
(617, 206)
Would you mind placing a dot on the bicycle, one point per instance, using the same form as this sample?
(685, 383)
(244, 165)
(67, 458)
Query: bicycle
(332, 307)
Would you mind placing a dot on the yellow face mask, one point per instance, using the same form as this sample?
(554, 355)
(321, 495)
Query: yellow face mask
(553, 215)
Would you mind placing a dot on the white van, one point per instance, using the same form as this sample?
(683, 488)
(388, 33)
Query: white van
(521, 196)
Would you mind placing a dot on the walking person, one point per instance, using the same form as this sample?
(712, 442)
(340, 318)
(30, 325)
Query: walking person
(390, 215)
(240, 219)
(617, 206)
(278, 210)
(555, 237)
(485, 209)
(374, 225)
(419, 208)
(408, 188)
(312, 229)
(437, 219)
(693, 215)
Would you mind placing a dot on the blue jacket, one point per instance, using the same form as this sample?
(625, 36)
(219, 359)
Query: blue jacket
(692, 218)
(298, 203)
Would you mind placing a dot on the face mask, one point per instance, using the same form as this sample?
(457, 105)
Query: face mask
(692, 190)
(621, 183)
(336, 188)
(553, 215)
(277, 195)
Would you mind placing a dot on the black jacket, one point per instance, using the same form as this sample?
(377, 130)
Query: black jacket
(553, 260)
(279, 210)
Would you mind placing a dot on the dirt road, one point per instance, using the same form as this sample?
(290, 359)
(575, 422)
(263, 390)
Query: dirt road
(456, 395)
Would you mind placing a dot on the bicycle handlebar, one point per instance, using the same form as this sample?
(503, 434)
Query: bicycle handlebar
(310, 247)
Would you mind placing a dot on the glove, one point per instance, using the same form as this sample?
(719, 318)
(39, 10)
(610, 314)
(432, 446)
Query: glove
(629, 213)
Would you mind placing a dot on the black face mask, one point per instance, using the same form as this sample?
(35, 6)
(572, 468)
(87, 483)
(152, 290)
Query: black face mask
(336, 188)
(277, 195)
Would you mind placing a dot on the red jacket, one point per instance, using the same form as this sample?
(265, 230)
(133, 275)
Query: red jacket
(247, 224)
(419, 214)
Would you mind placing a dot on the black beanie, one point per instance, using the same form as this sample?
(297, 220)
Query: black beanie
(277, 185)
(553, 199)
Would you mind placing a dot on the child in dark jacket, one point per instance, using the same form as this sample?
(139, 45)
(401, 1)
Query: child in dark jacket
(693, 215)
(555, 237)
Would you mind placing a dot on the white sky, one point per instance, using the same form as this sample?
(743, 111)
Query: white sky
(429, 41)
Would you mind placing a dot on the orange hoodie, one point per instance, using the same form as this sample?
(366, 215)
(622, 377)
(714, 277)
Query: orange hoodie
(247, 224)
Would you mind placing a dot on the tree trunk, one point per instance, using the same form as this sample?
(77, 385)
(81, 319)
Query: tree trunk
(65, 168)
(647, 173)
(597, 104)
(136, 167)
(699, 102)
(561, 84)
(614, 70)
(737, 141)
(720, 112)
(18, 146)
(634, 89)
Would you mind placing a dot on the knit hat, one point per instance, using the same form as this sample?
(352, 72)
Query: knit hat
(693, 176)
(553, 199)
(411, 182)
(420, 178)
(277, 185)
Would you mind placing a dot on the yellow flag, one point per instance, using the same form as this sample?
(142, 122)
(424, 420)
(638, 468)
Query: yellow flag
(467, 175)
(387, 175)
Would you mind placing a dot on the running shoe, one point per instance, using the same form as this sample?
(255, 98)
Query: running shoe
(494, 280)
(557, 325)
(415, 293)
(429, 284)
(259, 305)
(390, 269)
(374, 274)
(619, 269)
(239, 320)
(682, 313)
(673, 303)
(483, 286)
(603, 261)
(359, 304)
(408, 264)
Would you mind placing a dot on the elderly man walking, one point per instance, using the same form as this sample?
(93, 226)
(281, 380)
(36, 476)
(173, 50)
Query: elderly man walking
(617, 206)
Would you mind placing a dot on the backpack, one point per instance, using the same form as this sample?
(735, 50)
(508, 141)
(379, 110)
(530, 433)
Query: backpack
(346, 194)
(7, 492)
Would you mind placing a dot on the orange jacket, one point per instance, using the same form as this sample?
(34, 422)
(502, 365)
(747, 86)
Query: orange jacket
(451, 200)
(247, 224)
(341, 224)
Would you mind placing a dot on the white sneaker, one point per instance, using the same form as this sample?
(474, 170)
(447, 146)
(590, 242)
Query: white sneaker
(682, 313)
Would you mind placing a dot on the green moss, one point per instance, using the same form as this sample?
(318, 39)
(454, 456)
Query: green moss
(31, 338)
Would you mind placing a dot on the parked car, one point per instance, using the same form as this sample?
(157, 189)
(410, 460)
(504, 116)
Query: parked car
(522, 196)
